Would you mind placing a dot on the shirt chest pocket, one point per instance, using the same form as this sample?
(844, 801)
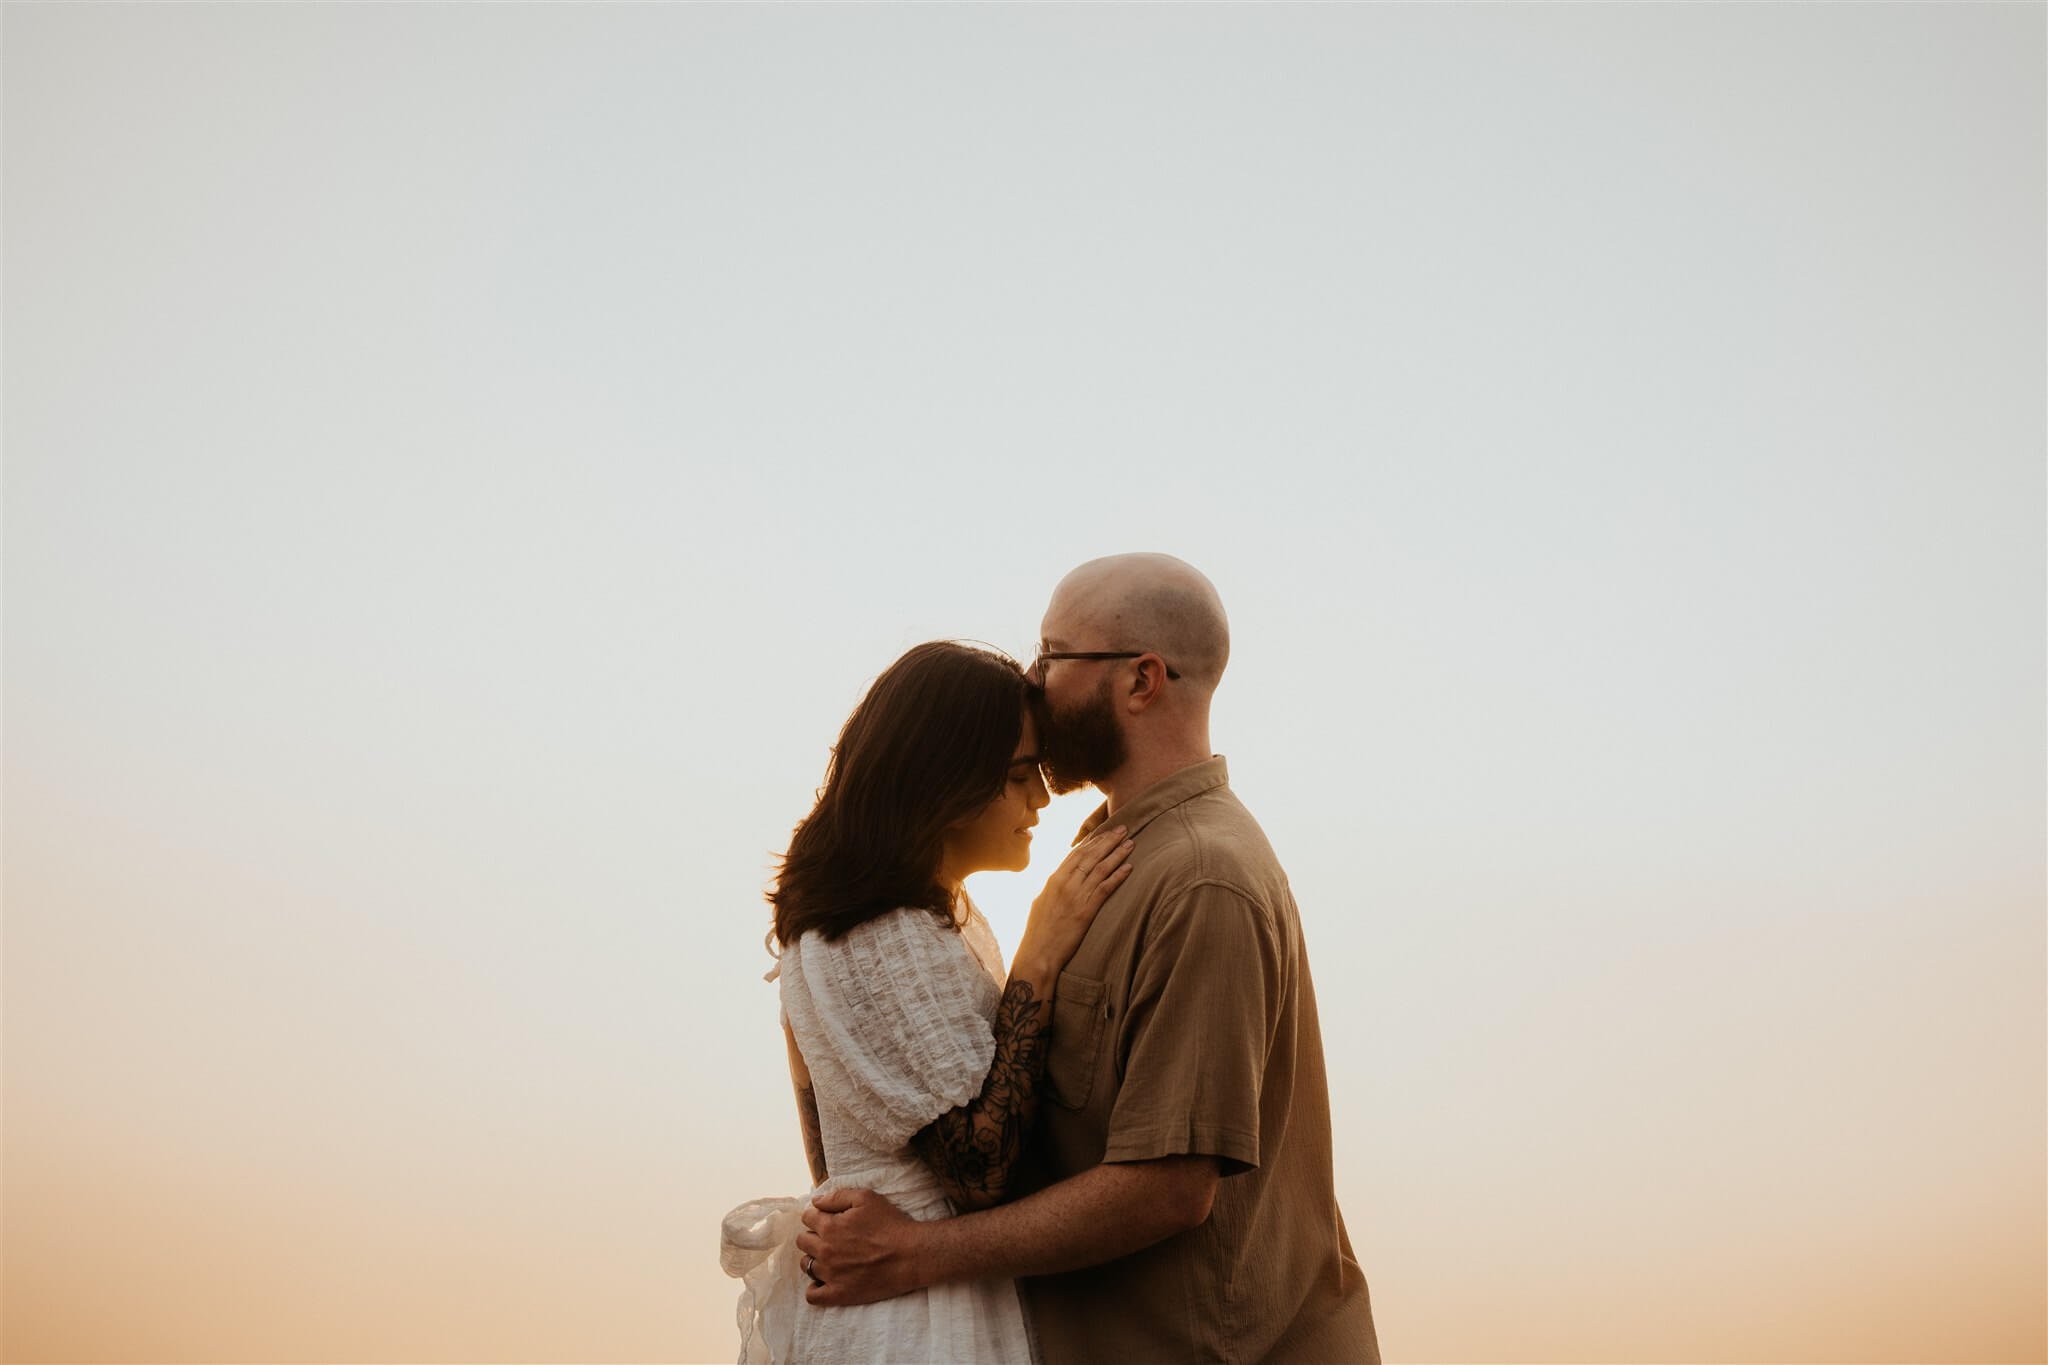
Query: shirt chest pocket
(1078, 1016)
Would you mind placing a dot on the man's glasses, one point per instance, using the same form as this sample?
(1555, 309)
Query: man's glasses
(1046, 655)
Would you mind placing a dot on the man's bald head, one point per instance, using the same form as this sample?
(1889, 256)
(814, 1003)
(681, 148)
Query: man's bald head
(1146, 601)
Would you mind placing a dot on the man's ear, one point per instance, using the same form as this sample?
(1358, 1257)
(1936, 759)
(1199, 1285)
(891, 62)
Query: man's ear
(1146, 684)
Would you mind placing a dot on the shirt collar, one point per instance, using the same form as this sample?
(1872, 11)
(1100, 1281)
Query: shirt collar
(1161, 797)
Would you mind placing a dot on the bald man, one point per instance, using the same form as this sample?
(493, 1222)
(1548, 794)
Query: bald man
(1187, 1208)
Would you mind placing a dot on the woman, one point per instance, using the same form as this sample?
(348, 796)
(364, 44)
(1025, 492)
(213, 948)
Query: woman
(916, 1063)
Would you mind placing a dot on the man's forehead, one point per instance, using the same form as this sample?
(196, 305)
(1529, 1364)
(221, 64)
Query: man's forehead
(1070, 613)
(1056, 636)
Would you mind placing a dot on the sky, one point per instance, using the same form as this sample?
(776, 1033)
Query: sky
(460, 465)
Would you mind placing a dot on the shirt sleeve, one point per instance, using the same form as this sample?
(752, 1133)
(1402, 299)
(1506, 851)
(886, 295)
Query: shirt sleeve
(1199, 1026)
(891, 1022)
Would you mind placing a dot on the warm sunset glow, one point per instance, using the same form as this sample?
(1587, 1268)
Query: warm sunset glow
(462, 463)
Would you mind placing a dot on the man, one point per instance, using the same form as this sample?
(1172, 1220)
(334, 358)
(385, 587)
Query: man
(1185, 1128)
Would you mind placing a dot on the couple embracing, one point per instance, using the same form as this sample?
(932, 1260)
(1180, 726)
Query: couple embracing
(1118, 1149)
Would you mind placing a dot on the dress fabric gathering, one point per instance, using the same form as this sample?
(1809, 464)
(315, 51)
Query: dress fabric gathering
(895, 1021)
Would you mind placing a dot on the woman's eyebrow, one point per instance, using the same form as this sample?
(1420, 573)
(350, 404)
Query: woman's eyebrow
(1022, 759)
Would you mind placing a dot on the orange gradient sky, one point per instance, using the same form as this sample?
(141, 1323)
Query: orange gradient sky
(461, 464)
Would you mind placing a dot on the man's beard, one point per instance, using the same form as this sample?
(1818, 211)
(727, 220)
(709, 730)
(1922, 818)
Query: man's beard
(1080, 746)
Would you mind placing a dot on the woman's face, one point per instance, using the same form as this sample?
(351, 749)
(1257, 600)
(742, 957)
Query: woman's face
(998, 839)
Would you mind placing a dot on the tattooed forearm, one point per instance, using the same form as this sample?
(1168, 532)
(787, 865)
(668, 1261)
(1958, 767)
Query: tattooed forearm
(806, 1106)
(974, 1149)
(814, 1139)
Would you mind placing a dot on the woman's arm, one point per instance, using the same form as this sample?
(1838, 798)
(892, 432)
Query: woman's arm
(973, 1149)
(806, 1106)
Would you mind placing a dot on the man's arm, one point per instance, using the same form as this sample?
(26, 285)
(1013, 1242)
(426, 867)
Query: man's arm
(864, 1250)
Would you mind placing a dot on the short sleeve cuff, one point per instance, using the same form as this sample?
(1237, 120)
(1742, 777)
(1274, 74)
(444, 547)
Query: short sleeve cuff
(1235, 1148)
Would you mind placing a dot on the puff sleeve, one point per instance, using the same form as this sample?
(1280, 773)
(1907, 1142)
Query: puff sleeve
(895, 1022)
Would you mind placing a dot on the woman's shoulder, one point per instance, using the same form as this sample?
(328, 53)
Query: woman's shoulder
(906, 965)
(905, 924)
(909, 933)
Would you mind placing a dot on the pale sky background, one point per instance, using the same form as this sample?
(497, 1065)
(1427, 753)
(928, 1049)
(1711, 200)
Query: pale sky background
(463, 463)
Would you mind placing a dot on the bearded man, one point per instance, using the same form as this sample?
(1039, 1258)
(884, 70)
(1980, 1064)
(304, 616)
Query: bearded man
(1188, 1208)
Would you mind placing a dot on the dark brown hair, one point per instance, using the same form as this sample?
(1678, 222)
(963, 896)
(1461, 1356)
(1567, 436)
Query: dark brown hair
(931, 742)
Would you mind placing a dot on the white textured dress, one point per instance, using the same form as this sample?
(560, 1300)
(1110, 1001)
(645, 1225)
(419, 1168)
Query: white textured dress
(895, 1021)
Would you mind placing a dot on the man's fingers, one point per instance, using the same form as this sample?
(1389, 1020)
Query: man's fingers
(833, 1201)
(809, 1243)
(833, 1295)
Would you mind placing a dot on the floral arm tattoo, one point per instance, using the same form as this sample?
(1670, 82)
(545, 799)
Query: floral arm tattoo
(974, 1149)
(806, 1107)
